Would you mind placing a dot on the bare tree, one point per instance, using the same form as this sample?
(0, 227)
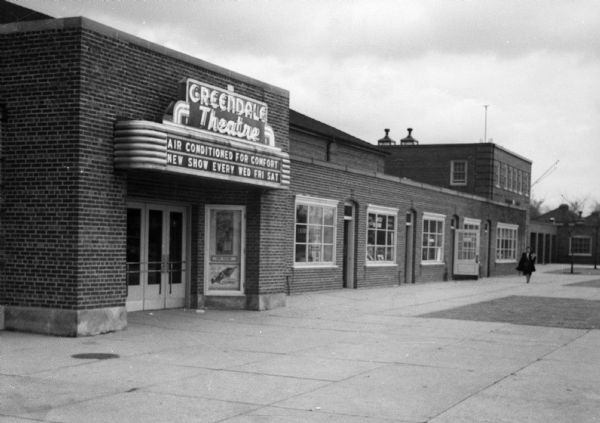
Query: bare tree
(536, 207)
(576, 205)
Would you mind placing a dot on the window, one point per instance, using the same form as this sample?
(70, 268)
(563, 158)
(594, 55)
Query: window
(506, 242)
(526, 183)
(515, 180)
(315, 231)
(520, 182)
(458, 172)
(381, 235)
(497, 174)
(433, 238)
(509, 182)
(503, 173)
(580, 246)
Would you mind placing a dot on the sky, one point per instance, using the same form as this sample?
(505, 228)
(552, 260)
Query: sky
(365, 65)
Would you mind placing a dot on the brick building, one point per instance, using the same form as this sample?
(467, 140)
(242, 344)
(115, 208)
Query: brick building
(483, 169)
(136, 177)
(563, 235)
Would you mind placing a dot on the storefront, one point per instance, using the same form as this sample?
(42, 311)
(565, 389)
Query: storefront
(136, 178)
(143, 179)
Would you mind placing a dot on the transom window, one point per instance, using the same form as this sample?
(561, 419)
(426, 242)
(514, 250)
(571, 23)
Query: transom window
(433, 238)
(381, 235)
(580, 245)
(472, 224)
(315, 231)
(506, 242)
(458, 173)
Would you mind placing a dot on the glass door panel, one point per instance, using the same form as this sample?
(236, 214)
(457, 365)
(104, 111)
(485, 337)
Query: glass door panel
(156, 257)
(134, 259)
(176, 263)
(225, 249)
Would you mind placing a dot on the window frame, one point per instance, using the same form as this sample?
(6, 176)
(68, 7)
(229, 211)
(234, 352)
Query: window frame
(512, 241)
(439, 218)
(322, 203)
(471, 224)
(388, 212)
(453, 180)
(580, 254)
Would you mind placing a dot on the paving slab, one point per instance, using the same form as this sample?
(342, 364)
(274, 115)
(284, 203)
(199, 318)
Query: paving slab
(411, 393)
(147, 407)
(364, 355)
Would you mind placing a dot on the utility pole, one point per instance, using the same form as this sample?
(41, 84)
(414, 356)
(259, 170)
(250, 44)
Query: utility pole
(485, 123)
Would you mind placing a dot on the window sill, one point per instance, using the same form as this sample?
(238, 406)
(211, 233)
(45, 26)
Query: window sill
(377, 264)
(506, 261)
(432, 263)
(315, 266)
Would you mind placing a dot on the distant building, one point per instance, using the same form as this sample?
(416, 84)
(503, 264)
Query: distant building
(483, 169)
(563, 235)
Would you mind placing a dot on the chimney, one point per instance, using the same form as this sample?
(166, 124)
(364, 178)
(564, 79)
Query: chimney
(409, 140)
(386, 140)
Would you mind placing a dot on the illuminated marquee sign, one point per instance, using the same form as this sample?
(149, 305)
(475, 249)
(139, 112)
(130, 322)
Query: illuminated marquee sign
(210, 132)
(195, 155)
(223, 112)
(149, 145)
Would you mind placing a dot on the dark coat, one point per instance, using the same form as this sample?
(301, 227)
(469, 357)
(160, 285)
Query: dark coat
(527, 263)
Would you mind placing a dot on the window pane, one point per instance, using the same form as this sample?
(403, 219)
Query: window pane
(390, 238)
(328, 253)
(328, 216)
(391, 223)
(328, 235)
(314, 252)
(371, 237)
(380, 237)
(301, 233)
(301, 213)
(300, 253)
(315, 215)
(389, 254)
(372, 219)
(314, 233)
(370, 253)
(380, 253)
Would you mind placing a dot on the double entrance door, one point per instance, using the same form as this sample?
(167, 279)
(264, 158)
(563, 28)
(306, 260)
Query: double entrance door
(156, 256)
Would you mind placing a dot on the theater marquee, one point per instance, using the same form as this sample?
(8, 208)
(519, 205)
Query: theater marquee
(211, 132)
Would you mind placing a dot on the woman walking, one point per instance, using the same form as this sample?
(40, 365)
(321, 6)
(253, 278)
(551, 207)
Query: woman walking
(527, 263)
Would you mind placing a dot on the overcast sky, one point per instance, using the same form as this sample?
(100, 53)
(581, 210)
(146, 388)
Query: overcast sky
(366, 65)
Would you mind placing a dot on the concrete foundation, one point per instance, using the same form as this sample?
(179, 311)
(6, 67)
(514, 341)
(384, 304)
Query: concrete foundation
(244, 302)
(50, 321)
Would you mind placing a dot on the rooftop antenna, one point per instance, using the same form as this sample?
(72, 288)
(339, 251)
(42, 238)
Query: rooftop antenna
(485, 106)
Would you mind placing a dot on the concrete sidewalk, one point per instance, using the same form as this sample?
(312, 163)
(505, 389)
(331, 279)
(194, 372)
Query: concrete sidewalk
(340, 356)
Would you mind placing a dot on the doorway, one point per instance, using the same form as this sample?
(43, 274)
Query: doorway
(466, 252)
(349, 251)
(156, 256)
(410, 249)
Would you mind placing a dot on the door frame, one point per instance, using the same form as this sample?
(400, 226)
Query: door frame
(459, 267)
(165, 207)
(207, 237)
(349, 258)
